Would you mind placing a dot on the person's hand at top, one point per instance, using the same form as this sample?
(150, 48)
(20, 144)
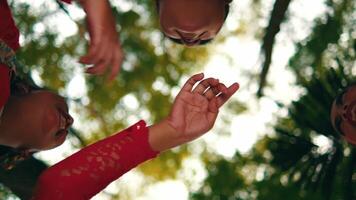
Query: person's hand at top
(105, 53)
(194, 112)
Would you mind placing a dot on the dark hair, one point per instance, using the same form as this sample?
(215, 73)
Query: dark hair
(10, 157)
(23, 84)
(202, 42)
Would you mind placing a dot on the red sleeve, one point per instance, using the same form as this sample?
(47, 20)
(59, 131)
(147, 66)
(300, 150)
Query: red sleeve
(90, 170)
(9, 33)
(4, 85)
(8, 30)
(67, 1)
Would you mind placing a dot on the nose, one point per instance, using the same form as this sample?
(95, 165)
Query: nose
(187, 35)
(190, 38)
(344, 112)
(69, 120)
(350, 112)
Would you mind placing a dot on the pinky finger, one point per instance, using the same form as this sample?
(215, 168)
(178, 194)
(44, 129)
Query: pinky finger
(223, 97)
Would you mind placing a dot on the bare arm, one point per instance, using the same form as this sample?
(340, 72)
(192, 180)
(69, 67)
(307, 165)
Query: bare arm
(105, 53)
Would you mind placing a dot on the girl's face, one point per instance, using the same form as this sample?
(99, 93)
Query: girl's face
(343, 114)
(191, 21)
(39, 120)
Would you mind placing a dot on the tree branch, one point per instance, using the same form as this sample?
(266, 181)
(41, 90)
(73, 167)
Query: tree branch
(277, 16)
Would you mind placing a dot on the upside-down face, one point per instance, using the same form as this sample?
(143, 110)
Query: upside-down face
(37, 120)
(192, 22)
(343, 114)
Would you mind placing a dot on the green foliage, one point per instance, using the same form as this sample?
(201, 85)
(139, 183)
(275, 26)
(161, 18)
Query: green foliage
(326, 33)
(323, 66)
(224, 181)
(5, 193)
(166, 165)
(290, 163)
(285, 165)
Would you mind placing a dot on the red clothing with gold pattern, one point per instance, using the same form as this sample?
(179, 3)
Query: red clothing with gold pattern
(90, 170)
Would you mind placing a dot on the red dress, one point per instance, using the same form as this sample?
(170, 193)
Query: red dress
(90, 170)
(10, 35)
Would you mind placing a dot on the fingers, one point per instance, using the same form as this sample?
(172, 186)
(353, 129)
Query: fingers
(210, 88)
(105, 53)
(116, 65)
(205, 84)
(223, 97)
(102, 60)
(107, 59)
(98, 69)
(215, 90)
(92, 52)
(101, 51)
(188, 86)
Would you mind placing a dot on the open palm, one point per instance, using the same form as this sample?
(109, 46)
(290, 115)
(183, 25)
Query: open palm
(194, 111)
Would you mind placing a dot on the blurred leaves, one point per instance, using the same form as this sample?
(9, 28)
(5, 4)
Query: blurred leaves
(286, 164)
(291, 162)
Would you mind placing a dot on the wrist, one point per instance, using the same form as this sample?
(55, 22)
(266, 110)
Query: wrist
(162, 136)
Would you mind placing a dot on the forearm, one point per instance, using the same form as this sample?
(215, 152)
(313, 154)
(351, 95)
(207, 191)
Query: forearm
(86, 3)
(90, 170)
(97, 10)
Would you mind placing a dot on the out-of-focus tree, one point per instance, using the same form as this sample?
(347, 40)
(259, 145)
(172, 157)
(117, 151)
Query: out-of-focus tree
(278, 15)
(248, 177)
(304, 158)
(321, 37)
(323, 64)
